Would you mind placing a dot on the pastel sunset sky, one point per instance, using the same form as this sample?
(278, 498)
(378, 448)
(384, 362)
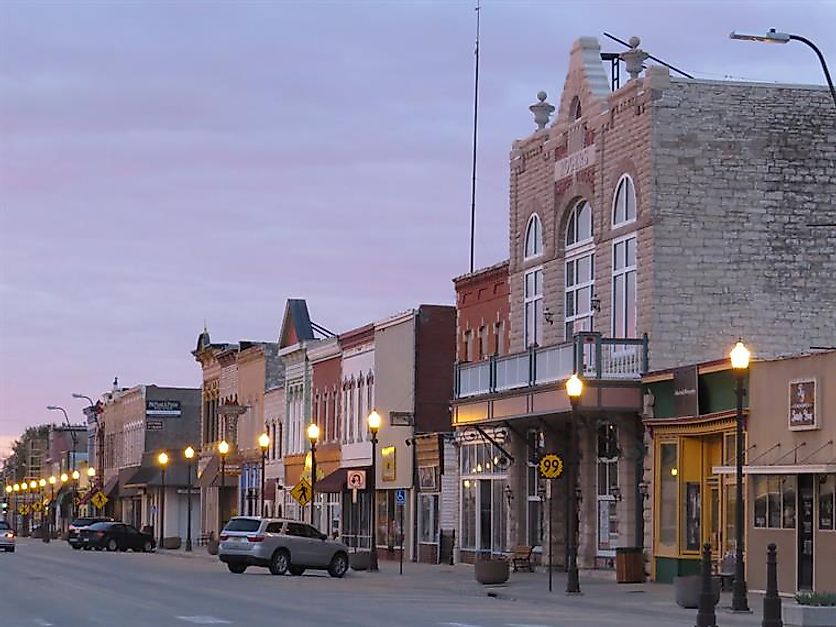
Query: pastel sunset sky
(166, 163)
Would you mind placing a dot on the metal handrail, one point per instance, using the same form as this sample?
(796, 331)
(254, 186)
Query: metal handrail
(587, 352)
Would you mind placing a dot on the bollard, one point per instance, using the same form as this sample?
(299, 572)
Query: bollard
(705, 614)
(771, 600)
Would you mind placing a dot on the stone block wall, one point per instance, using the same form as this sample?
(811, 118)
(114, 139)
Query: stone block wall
(741, 171)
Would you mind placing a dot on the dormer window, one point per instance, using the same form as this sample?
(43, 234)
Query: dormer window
(533, 237)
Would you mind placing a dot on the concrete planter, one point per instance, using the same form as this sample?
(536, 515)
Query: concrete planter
(172, 542)
(490, 572)
(795, 615)
(212, 547)
(687, 590)
(359, 561)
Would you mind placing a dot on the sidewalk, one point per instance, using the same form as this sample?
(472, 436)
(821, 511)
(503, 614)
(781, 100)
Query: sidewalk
(653, 601)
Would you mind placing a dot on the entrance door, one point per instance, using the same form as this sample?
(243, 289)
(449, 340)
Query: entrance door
(805, 532)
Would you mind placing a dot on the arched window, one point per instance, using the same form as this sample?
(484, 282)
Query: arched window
(533, 237)
(579, 227)
(624, 201)
(580, 270)
(575, 111)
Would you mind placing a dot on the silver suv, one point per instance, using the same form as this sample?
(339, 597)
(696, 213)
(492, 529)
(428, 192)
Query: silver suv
(283, 546)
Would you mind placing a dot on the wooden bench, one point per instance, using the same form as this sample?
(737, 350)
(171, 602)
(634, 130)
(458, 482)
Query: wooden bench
(521, 558)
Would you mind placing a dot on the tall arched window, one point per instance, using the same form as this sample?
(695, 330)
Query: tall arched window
(624, 201)
(580, 270)
(533, 237)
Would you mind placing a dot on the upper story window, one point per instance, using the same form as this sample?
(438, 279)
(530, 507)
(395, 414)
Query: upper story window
(624, 287)
(624, 201)
(579, 228)
(533, 237)
(533, 304)
(575, 111)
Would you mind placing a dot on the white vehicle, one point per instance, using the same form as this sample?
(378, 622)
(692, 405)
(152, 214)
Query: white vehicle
(283, 546)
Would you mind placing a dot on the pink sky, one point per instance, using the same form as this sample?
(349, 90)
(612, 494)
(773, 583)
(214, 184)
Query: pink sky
(169, 163)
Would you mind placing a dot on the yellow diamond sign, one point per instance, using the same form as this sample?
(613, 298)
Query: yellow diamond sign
(302, 492)
(23, 509)
(99, 499)
(37, 507)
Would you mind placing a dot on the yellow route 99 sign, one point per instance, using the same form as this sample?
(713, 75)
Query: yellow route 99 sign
(551, 466)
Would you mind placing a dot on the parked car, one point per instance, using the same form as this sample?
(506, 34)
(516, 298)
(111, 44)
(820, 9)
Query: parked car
(7, 537)
(116, 536)
(74, 532)
(283, 546)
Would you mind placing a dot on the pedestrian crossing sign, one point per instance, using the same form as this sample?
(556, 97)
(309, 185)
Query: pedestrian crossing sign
(99, 499)
(37, 507)
(301, 492)
(23, 509)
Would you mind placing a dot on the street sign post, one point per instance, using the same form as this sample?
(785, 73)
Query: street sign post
(400, 501)
(301, 492)
(550, 467)
(99, 500)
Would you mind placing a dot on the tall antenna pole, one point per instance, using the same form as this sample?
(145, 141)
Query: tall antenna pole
(475, 120)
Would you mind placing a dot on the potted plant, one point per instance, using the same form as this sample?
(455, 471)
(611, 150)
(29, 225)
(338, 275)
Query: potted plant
(490, 569)
(811, 609)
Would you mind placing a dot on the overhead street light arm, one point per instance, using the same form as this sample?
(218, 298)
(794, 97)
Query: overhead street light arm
(775, 37)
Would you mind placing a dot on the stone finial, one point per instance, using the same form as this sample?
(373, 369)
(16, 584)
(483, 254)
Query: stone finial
(542, 110)
(634, 58)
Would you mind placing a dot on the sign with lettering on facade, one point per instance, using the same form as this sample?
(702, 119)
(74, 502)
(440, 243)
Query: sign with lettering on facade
(153, 425)
(301, 492)
(400, 497)
(356, 479)
(388, 469)
(575, 162)
(802, 405)
(163, 409)
(685, 391)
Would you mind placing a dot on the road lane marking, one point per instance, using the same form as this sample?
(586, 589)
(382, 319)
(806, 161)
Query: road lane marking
(205, 620)
(459, 624)
(42, 622)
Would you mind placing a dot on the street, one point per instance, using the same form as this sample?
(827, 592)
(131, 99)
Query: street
(52, 585)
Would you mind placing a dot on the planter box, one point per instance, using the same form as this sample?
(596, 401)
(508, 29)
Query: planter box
(212, 547)
(359, 561)
(172, 542)
(795, 615)
(688, 588)
(490, 572)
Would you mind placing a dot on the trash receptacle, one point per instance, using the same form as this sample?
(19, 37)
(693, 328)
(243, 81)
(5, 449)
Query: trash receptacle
(629, 564)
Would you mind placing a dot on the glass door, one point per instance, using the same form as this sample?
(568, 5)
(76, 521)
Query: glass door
(805, 532)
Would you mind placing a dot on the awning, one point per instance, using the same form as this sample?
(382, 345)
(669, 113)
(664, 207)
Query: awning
(786, 469)
(110, 486)
(335, 482)
(207, 478)
(152, 476)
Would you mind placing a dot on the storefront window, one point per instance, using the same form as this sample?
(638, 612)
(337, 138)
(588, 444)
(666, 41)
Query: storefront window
(668, 493)
(388, 530)
(484, 512)
(827, 490)
(692, 516)
(535, 487)
(428, 517)
(774, 501)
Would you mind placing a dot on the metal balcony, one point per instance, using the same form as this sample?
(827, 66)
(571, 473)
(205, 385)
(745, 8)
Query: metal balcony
(590, 354)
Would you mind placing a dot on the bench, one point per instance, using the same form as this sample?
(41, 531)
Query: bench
(521, 558)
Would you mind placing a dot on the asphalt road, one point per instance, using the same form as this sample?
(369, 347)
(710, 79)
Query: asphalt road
(43, 585)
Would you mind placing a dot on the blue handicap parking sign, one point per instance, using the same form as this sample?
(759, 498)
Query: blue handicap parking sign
(400, 497)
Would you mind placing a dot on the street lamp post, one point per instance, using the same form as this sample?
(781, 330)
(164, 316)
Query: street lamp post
(264, 444)
(313, 436)
(223, 450)
(52, 481)
(740, 364)
(91, 475)
(75, 445)
(76, 476)
(574, 389)
(374, 427)
(98, 444)
(189, 454)
(44, 512)
(162, 458)
(774, 37)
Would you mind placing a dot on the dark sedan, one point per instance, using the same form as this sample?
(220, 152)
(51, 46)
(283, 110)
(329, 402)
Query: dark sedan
(74, 532)
(116, 536)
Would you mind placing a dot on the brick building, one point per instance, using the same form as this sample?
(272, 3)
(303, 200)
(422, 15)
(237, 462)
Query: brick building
(665, 208)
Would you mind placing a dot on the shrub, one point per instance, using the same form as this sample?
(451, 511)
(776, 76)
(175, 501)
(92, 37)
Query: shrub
(816, 598)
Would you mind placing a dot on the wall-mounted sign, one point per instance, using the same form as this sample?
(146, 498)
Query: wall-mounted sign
(428, 478)
(388, 469)
(802, 406)
(163, 409)
(685, 391)
(575, 162)
(400, 418)
(153, 425)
